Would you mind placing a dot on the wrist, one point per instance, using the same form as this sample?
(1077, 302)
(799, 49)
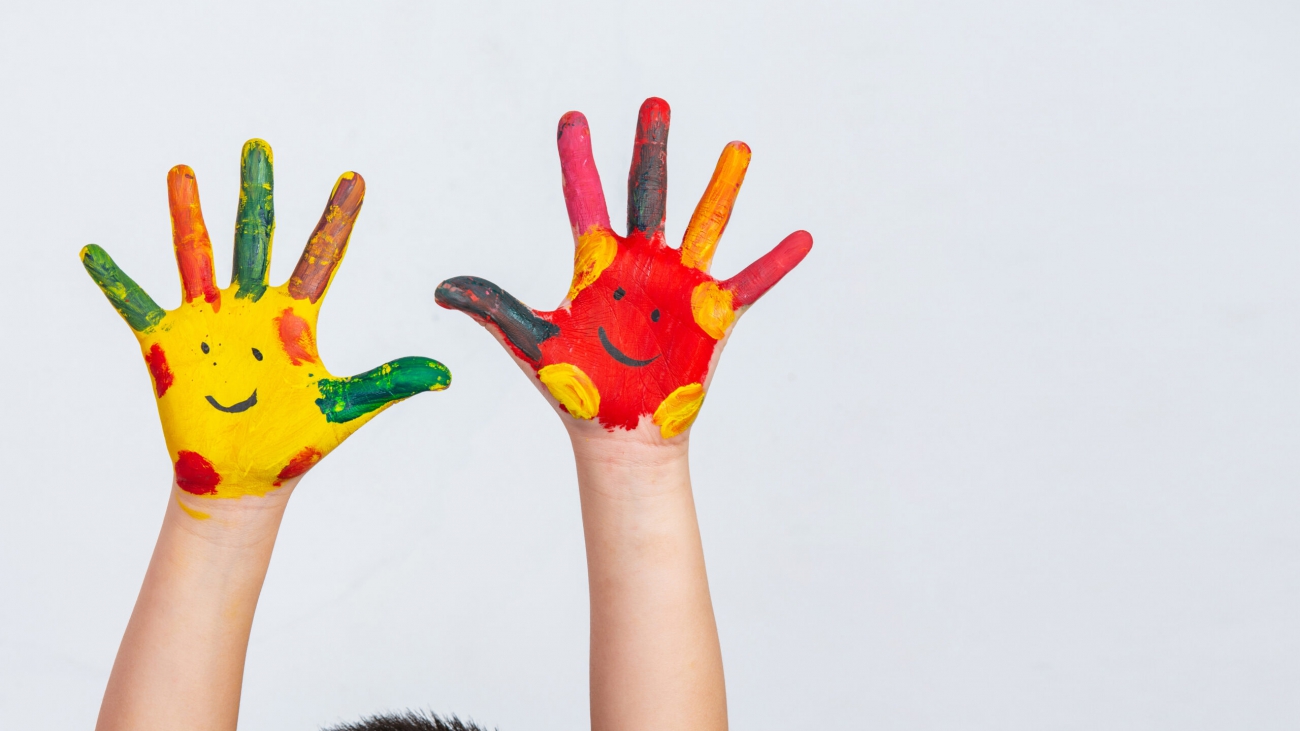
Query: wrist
(636, 464)
(233, 523)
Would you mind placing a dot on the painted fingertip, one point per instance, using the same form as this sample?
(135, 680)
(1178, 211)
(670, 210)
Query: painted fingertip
(801, 241)
(655, 109)
(571, 122)
(260, 146)
(180, 175)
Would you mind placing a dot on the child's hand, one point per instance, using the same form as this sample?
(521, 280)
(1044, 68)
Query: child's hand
(641, 327)
(244, 400)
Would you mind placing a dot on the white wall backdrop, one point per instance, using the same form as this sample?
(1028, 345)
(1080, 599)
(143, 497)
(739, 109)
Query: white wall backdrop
(1014, 448)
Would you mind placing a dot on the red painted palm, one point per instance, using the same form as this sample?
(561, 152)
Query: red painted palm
(643, 323)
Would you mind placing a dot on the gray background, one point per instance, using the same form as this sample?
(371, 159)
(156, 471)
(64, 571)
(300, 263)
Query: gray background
(1014, 448)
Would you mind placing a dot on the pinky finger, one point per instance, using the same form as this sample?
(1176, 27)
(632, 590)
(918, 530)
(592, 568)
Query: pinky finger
(754, 281)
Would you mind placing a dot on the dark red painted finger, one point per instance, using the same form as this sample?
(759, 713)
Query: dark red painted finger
(329, 242)
(583, 195)
(647, 182)
(190, 238)
(488, 303)
(763, 274)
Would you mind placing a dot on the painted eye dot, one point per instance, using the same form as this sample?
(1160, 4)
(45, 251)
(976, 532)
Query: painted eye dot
(205, 348)
(619, 293)
(257, 353)
(654, 316)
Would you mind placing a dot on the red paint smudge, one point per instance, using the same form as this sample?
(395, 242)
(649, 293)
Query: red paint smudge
(301, 462)
(196, 475)
(297, 338)
(162, 375)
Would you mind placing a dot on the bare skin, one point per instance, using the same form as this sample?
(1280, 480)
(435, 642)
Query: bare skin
(181, 663)
(655, 658)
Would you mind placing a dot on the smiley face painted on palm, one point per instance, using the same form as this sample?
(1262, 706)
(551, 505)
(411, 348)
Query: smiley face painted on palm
(638, 332)
(243, 397)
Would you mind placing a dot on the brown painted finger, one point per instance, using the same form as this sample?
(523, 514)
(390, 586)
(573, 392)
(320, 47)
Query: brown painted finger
(329, 242)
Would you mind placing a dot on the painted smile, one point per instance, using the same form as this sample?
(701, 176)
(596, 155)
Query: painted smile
(244, 405)
(619, 355)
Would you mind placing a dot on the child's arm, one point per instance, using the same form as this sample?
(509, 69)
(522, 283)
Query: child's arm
(247, 407)
(181, 662)
(655, 658)
(626, 359)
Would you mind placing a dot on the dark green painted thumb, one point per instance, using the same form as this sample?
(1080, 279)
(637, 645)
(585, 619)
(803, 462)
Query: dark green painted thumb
(135, 305)
(344, 399)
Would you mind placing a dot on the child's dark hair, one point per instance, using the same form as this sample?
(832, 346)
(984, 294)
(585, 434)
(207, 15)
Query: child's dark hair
(408, 721)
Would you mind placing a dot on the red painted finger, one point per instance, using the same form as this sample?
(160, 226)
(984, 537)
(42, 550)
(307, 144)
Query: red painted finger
(329, 242)
(754, 281)
(583, 195)
(190, 238)
(647, 181)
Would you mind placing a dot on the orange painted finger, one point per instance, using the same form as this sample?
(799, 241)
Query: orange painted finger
(329, 242)
(714, 209)
(190, 238)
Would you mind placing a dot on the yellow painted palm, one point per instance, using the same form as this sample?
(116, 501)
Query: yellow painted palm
(244, 399)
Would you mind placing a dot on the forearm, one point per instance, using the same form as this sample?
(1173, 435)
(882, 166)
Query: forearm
(655, 658)
(181, 662)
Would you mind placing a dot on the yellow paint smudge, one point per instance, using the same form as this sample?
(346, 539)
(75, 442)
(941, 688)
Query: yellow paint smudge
(572, 388)
(711, 306)
(596, 249)
(195, 514)
(679, 409)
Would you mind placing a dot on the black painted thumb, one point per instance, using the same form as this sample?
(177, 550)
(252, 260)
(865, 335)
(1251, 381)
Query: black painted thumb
(486, 302)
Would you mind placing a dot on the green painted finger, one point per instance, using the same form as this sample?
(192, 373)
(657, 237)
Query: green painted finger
(344, 399)
(135, 305)
(255, 221)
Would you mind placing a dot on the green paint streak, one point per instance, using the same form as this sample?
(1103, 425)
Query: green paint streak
(136, 306)
(255, 222)
(344, 399)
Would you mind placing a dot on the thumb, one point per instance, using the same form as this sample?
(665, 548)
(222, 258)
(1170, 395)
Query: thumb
(344, 399)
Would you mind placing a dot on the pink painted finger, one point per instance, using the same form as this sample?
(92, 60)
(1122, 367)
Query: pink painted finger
(583, 195)
(764, 273)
